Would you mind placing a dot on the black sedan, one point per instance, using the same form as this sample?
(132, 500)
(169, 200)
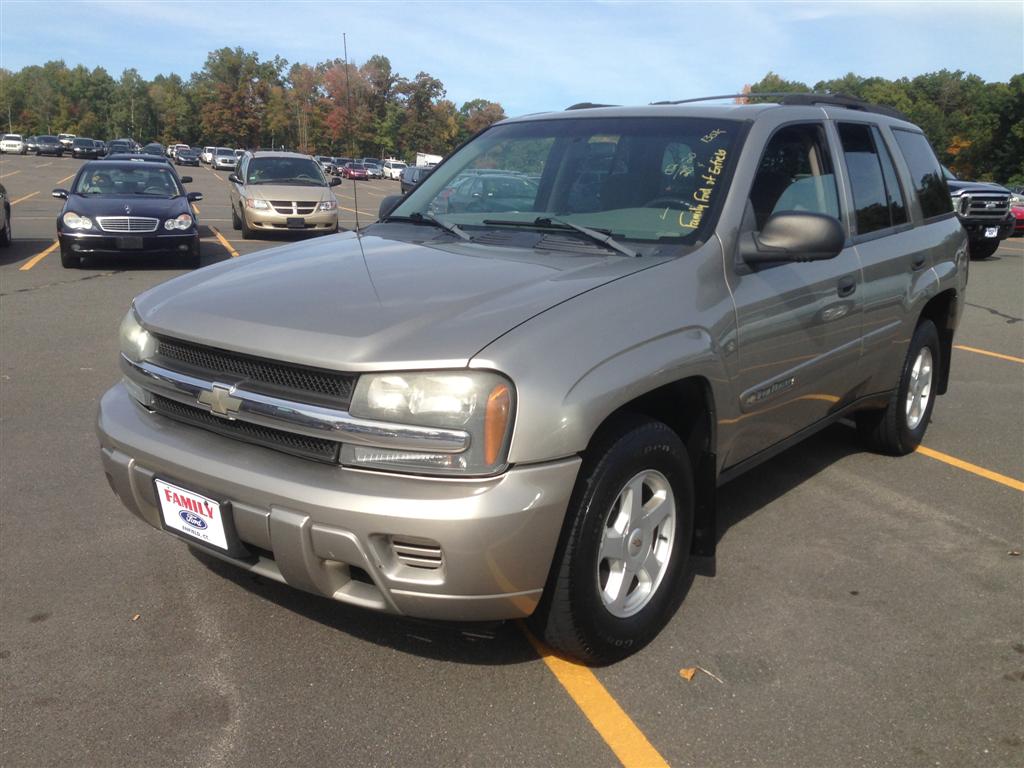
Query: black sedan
(127, 208)
(48, 145)
(187, 156)
(85, 148)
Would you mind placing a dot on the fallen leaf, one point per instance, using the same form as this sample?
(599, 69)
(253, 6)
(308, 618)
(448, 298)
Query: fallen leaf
(687, 673)
(136, 617)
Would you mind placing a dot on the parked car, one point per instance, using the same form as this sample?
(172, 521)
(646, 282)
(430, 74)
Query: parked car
(239, 153)
(411, 176)
(66, 141)
(326, 163)
(5, 219)
(373, 169)
(224, 159)
(155, 148)
(121, 207)
(30, 144)
(207, 155)
(393, 169)
(354, 171)
(13, 144)
(1017, 211)
(120, 146)
(48, 145)
(187, 156)
(528, 414)
(178, 148)
(984, 210)
(282, 192)
(487, 192)
(85, 148)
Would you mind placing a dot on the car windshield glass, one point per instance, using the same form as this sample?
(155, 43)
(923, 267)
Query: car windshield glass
(223, 151)
(284, 170)
(646, 179)
(147, 179)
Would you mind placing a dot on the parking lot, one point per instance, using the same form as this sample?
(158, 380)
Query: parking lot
(865, 611)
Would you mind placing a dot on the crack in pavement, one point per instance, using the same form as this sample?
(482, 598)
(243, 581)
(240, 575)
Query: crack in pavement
(1010, 319)
(62, 282)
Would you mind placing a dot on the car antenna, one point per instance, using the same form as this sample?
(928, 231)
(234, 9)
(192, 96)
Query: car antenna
(348, 126)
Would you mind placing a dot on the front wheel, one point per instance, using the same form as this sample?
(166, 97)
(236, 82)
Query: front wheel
(6, 236)
(982, 249)
(899, 428)
(622, 559)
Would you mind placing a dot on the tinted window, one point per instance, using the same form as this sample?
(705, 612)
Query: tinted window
(869, 199)
(148, 179)
(284, 170)
(795, 174)
(893, 190)
(925, 173)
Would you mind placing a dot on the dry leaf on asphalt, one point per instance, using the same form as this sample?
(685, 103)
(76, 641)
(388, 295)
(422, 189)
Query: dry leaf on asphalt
(687, 673)
(136, 617)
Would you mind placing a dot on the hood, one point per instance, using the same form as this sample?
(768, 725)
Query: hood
(297, 192)
(956, 186)
(405, 305)
(112, 205)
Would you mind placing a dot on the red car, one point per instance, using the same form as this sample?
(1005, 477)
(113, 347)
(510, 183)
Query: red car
(1018, 219)
(354, 171)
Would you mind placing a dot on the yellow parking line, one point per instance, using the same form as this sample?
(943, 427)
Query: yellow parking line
(604, 713)
(224, 242)
(40, 256)
(195, 207)
(26, 197)
(988, 474)
(61, 181)
(1001, 356)
(9, 173)
(43, 165)
(353, 210)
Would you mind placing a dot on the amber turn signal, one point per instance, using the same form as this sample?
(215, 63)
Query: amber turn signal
(499, 406)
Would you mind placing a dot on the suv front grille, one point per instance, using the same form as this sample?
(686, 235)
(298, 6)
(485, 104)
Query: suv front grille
(127, 223)
(981, 205)
(294, 382)
(293, 208)
(297, 445)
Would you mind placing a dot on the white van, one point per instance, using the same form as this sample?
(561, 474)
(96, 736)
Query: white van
(393, 169)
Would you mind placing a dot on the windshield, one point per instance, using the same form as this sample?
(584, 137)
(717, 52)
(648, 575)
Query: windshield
(147, 179)
(645, 179)
(223, 151)
(284, 170)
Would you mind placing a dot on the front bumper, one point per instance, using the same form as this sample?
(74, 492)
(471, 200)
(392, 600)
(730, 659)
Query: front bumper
(976, 228)
(310, 525)
(221, 165)
(154, 242)
(269, 219)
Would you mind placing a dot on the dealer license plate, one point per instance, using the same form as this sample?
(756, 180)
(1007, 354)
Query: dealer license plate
(991, 231)
(192, 514)
(295, 222)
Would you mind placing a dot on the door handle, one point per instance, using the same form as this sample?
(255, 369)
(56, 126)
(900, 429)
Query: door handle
(847, 285)
(917, 261)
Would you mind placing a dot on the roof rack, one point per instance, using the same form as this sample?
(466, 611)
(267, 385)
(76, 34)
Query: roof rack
(802, 99)
(588, 105)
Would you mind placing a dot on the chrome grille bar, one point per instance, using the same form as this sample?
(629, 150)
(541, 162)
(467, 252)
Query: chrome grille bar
(127, 223)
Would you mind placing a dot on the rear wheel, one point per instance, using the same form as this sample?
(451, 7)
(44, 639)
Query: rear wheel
(899, 428)
(624, 550)
(982, 249)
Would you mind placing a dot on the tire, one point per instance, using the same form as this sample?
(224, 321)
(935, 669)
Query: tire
(236, 223)
(899, 428)
(247, 232)
(70, 260)
(599, 608)
(6, 236)
(982, 249)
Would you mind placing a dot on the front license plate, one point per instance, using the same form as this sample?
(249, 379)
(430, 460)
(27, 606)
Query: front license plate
(129, 243)
(991, 231)
(192, 514)
(296, 222)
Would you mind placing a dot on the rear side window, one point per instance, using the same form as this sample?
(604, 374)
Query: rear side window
(925, 173)
(877, 198)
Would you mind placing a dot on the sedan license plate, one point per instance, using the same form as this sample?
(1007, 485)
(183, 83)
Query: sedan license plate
(192, 514)
(129, 243)
(991, 231)
(295, 222)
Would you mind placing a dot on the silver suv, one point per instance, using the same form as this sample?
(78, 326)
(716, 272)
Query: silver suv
(518, 399)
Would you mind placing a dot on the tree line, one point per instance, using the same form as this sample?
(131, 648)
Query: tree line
(976, 128)
(331, 108)
(238, 100)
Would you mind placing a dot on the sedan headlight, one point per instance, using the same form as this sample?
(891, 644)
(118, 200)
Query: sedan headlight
(479, 402)
(73, 221)
(328, 205)
(137, 344)
(256, 204)
(184, 221)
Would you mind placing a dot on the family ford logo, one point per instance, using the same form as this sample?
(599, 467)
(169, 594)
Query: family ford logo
(191, 518)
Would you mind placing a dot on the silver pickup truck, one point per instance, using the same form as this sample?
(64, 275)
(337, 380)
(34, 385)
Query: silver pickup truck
(517, 398)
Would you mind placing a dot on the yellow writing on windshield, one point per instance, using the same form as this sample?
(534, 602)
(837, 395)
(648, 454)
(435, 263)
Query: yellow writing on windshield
(692, 217)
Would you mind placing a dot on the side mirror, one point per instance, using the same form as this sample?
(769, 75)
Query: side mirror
(186, 179)
(60, 194)
(387, 205)
(334, 181)
(234, 178)
(194, 197)
(792, 236)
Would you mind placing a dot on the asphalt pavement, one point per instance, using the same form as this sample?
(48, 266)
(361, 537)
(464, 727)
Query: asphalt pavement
(866, 611)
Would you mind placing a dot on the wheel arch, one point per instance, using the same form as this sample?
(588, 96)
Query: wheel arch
(943, 310)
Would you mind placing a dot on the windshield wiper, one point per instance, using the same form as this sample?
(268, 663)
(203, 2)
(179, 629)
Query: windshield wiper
(543, 222)
(419, 218)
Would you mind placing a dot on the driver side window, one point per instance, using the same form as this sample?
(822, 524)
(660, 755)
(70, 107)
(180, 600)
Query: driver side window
(795, 174)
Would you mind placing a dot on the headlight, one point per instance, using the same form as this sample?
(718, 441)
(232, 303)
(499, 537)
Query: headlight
(74, 221)
(328, 205)
(181, 222)
(256, 204)
(137, 344)
(479, 402)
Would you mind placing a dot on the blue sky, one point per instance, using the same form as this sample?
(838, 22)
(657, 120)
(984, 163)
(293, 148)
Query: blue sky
(534, 56)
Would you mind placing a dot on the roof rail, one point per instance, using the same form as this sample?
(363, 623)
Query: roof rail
(803, 99)
(588, 105)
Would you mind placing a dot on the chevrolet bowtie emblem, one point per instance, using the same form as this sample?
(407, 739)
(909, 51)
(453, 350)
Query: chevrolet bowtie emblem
(219, 400)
